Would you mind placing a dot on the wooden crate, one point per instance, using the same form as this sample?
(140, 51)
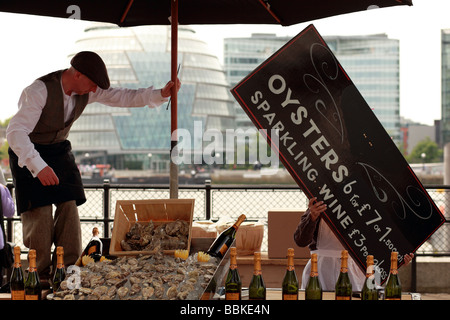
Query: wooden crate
(159, 211)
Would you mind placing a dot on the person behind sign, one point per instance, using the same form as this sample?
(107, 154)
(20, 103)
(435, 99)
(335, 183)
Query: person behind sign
(314, 232)
(42, 164)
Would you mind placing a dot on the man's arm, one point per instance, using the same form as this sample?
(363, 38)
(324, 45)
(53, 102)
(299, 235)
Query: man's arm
(133, 98)
(30, 104)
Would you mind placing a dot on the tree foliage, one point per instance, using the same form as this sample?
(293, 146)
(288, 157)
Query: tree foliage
(430, 150)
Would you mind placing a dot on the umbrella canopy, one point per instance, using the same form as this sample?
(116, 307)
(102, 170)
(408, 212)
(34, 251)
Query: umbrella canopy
(128, 13)
(155, 12)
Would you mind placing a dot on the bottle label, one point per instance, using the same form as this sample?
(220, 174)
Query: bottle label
(392, 299)
(257, 272)
(224, 249)
(17, 294)
(32, 269)
(233, 266)
(31, 297)
(344, 270)
(232, 296)
(343, 298)
(314, 274)
(290, 296)
(92, 249)
(290, 268)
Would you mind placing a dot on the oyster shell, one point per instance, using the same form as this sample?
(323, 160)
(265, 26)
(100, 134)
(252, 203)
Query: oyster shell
(166, 236)
(142, 277)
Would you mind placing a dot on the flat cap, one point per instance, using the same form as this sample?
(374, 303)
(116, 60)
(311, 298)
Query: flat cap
(92, 66)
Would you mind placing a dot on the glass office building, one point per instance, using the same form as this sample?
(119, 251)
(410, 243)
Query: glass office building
(445, 88)
(138, 57)
(242, 56)
(371, 61)
(373, 64)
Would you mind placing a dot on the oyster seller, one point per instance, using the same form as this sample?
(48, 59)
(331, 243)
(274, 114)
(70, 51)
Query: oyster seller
(42, 164)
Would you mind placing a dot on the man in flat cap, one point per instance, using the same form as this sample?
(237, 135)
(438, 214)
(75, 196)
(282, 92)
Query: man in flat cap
(42, 164)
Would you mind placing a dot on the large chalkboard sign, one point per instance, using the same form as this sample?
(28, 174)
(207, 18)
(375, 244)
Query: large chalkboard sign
(336, 150)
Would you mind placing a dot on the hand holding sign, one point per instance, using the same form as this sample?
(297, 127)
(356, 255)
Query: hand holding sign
(335, 148)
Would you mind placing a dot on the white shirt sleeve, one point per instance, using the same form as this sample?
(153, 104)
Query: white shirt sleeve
(33, 100)
(30, 104)
(128, 98)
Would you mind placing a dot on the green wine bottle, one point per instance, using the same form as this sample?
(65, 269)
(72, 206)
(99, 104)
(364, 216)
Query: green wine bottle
(393, 289)
(343, 288)
(257, 288)
(289, 287)
(32, 284)
(369, 290)
(94, 248)
(220, 246)
(16, 283)
(233, 284)
(313, 289)
(60, 273)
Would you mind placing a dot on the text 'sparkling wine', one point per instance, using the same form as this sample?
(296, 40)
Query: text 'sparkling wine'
(289, 287)
(225, 239)
(343, 288)
(313, 289)
(233, 284)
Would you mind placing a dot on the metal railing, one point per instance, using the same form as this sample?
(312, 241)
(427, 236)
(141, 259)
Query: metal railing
(213, 202)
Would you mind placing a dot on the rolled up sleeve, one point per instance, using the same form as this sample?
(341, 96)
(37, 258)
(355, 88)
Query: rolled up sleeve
(128, 98)
(304, 234)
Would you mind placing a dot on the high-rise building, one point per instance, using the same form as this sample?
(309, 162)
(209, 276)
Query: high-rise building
(371, 61)
(138, 57)
(242, 56)
(373, 64)
(445, 87)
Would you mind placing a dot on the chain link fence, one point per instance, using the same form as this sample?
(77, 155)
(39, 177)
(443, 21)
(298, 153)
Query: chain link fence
(214, 202)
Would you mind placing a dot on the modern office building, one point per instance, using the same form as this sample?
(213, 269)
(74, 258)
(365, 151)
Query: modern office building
(445, 87)
(139, 138)
(371, 61)
(373, 64)
(242, 56)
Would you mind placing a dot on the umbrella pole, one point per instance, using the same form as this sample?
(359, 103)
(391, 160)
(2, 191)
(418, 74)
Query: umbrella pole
(173, 181)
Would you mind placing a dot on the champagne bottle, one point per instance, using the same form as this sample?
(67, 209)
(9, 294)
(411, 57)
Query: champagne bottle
(32, 284)
(313, 289)
(257, 288)
(343, 288)
(60, 273)
(17, 284)
(369, 290)
(289, 286)
(233, 284)
(393, 289)
(95, 246)
(220, 246)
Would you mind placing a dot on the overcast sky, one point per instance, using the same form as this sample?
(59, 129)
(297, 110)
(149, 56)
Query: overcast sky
(33, 46)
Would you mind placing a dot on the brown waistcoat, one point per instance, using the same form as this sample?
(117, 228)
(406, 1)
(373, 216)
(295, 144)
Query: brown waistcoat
(51, 127)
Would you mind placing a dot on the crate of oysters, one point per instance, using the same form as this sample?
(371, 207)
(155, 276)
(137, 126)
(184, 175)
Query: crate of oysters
(151, 226)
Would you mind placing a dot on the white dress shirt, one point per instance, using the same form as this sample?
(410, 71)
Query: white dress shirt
(33, 100)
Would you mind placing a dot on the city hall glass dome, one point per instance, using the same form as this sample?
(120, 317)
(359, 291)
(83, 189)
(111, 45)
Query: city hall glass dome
(138, 57)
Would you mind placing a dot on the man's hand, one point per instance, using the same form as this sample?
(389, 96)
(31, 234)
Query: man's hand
(167, 90)
(48, 177)
(316, 208)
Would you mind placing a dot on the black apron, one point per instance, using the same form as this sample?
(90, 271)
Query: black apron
(30, 193)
